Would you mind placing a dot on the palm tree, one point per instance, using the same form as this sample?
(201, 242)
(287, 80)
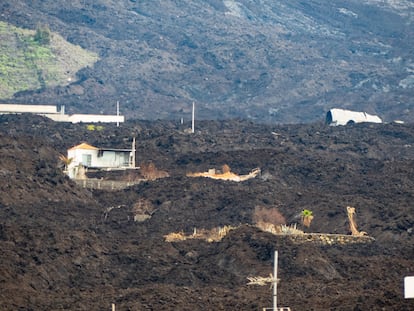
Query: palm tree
(66, 161)
(306, 217)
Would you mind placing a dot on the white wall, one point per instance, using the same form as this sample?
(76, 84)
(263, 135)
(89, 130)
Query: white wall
(52, 113)
(77, 156)
(92, 118)
(108, 159)
(409, 287)
(86, 118)
(15, 108)
(113, 159)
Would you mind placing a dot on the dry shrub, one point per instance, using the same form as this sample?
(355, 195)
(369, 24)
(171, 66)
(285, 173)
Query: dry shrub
(213, 235)
(175, 236)
(150, 172)
(268, 219)
(142, 206)
(268, 227)
(217, 234)
(261, 281)
(225, 169)
(132, 175)
(291, 229)
(268, 215)
(142, 210)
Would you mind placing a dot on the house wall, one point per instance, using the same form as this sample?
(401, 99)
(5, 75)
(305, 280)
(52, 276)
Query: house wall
(78, 156)
(105, 159)
(113, 159)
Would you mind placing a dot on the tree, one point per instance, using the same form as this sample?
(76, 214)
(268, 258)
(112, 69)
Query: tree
(43, 34)
(306, 217)
(66, 161)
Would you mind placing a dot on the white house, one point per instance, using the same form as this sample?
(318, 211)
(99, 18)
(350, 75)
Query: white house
(87, 156)
(343, 117)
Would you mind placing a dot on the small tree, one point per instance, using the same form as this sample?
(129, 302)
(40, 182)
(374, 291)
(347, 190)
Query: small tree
(43, 34)
(65, 161)
(306, 217)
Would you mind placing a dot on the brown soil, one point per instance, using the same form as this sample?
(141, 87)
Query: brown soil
(64, 247)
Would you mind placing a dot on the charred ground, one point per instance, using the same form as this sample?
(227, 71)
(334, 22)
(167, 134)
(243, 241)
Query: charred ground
(64, 247)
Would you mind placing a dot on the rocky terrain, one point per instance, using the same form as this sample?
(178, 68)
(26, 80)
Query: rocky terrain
(268, 61)
(68, 248)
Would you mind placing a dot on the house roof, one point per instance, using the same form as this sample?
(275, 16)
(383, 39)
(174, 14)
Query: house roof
(84, 146)
(117, 150)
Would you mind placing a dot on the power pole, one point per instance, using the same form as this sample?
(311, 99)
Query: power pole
(275, 283)
(133, 164)
(192, 122)
(117, 113)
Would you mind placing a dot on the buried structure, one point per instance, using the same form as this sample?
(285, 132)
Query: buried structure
(337, 116)
(226, 174)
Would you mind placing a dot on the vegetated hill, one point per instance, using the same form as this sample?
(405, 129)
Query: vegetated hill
(75, 248)
(273, 61)
(36, 60)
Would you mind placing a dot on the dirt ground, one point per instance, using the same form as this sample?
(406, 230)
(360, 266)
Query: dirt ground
(68, 248)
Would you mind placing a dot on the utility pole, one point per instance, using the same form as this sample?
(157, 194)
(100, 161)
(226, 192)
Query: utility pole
(117, 113)
(192, 119)
(133, 164)
(275, 283)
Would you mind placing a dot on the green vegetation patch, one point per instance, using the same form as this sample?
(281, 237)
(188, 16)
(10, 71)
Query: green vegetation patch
(36, 59)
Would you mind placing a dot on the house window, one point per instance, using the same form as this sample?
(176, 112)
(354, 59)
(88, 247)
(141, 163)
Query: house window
(87, 160)
(125, 159)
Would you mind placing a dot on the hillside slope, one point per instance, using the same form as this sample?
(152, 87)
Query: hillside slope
(66, 248)
(284, 61)
(30, 62)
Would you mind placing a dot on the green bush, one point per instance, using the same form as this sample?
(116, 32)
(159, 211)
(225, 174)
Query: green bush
(42, 35)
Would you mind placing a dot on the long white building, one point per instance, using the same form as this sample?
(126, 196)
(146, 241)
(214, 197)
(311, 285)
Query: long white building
(52, 112)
